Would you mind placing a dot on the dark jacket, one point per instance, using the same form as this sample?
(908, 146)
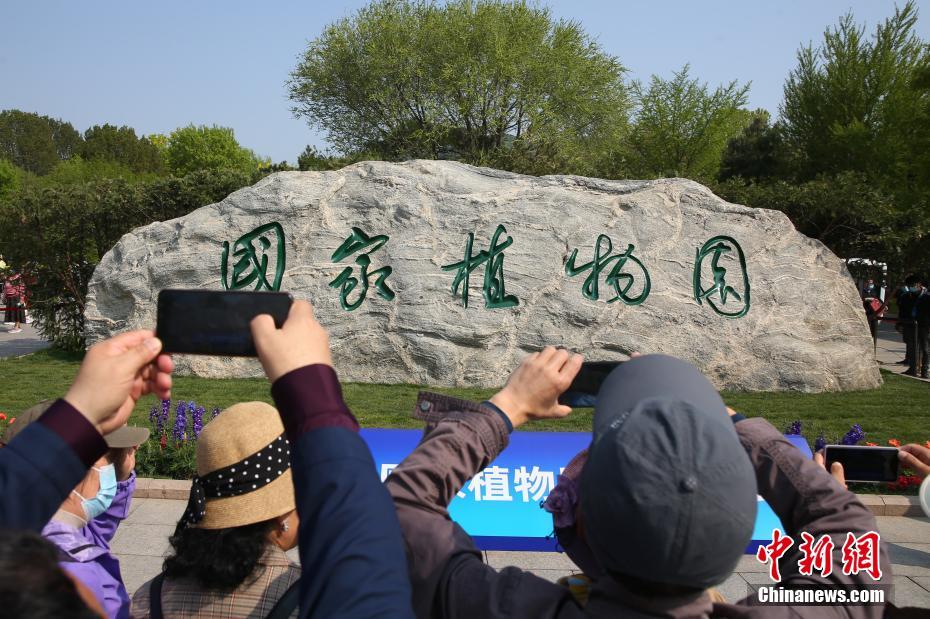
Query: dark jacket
(450, 580)
(350, 541)
(922, 308)
(907, 306)
(43, 463)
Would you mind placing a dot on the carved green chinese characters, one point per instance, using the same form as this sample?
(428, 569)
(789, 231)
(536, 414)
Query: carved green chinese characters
(725, 290)
(358, 241)
(495, 295)
(621, 276)
(250, 256)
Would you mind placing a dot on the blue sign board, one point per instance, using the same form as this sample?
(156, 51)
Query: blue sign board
(500, 507)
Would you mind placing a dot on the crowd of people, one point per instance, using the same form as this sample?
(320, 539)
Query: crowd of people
(655, 513)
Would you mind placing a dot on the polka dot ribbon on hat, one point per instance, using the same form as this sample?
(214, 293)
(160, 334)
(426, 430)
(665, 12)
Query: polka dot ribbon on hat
(248, 475)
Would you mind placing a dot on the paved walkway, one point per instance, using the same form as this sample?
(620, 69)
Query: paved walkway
(889, 349)
(18, 344)
(142, 542)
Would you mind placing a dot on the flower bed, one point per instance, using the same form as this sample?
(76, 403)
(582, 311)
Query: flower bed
(172, 449)
(907, 482)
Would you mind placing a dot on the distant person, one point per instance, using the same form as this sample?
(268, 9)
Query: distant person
(907, 318)
(922, 317)
(13, 290)
(228, 549)
(869, 289)
(874, 311)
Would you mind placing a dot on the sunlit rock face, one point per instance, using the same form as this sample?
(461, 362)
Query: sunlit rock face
(440, 273)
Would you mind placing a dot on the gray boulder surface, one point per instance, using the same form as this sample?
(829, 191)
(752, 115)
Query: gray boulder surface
(737, 291)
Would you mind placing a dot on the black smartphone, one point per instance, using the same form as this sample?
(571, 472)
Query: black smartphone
(583, 390)
(215, 322)
(863, 463)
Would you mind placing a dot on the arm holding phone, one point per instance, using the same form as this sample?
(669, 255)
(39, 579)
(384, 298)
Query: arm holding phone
(48, 458)
(349, 531)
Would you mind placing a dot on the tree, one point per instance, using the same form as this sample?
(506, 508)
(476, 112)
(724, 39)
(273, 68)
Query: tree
(757, 153)
(850, 103)
(681, 128)
(190, 149)
(36, 143)
(9, 178)
(462, 80)
(57, 235)
(120, 144)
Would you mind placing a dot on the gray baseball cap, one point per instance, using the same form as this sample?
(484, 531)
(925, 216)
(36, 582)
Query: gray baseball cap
(668, 494)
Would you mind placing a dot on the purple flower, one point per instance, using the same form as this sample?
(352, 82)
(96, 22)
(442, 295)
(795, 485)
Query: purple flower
(198, 420)
(794, 428)
(561, 503)
(180, 422)
(215, 413)
(153, 414)
(820, 443)
(854, 435)
(165, 412)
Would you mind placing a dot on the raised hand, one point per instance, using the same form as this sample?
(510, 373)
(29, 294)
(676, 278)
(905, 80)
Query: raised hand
(533, 390)
(300, 341)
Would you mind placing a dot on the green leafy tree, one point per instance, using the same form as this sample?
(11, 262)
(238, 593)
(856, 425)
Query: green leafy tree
(57, 235)
(462, 80)
(681, 127)
(36, 143)
(77, 171)
(757, 153)
(190, 149)
(851, 102)
(120, 144)
(313, 159)
(9, 178)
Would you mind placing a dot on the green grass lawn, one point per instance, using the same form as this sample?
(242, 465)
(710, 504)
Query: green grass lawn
(899, 409)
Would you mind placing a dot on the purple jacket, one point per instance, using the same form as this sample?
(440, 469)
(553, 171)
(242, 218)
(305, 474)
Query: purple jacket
(88, 551)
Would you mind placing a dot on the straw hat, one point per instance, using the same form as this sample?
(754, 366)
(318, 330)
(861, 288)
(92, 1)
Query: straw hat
(243, 449)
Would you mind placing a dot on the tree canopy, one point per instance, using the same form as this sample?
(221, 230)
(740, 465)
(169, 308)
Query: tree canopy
(194, 148)
(681, 127)
(120, 144)
(36, 143)
(463, 80)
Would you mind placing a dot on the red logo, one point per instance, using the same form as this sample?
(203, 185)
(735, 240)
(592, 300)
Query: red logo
(860, 554)
(773, 552)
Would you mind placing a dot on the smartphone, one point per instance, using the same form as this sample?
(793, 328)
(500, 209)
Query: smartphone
(583, 390)
(215, 322)
(862, 463)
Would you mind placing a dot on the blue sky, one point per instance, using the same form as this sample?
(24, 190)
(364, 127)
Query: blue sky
(159, 65)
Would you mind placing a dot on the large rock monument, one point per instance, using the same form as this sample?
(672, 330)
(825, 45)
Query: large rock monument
(441, 273)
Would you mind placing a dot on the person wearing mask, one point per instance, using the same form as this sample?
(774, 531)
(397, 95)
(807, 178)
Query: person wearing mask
(43, 463)
(663, 443)
(227, 556)
(86, 522)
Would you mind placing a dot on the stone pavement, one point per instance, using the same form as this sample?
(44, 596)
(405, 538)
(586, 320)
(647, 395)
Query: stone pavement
(17, 344)
(142, 541)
